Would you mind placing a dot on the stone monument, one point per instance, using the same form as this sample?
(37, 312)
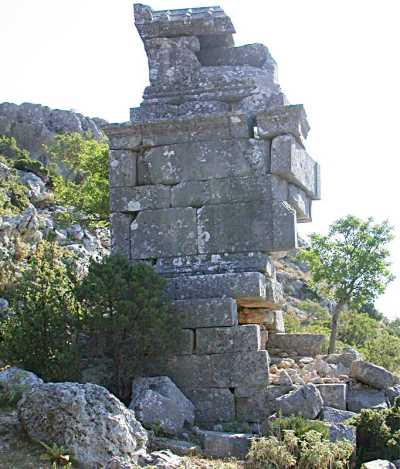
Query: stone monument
(207, 179)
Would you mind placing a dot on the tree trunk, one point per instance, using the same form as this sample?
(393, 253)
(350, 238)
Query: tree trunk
(335, 320)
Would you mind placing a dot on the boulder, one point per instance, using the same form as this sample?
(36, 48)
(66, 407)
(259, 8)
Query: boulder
(305, 401)
(16, 377)
(345, 358)
(392, 393)
(373, 375)
(158, 402)
(341, 431)
(86, 419)
(359, 398)
(329, 414)
(378, 464)
(333, 395)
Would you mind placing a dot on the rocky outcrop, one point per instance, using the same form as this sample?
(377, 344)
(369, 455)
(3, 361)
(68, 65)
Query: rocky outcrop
(92, 424)
(373, 375)
(305, 401)
(34, 125)
(15, 377)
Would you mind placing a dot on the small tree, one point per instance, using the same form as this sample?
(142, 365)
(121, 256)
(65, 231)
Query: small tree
(350, 265)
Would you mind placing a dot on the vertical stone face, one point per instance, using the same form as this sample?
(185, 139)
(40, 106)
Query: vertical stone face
(209, 177)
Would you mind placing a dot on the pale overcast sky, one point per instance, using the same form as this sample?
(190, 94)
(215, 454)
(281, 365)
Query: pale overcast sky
(340, 58)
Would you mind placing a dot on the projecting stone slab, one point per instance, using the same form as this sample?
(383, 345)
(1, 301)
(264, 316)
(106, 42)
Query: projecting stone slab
(122, 168)
(225, 370)
(217, 264)
(283, 120)
(228, 339)
(168, 232)
(272, 320)
(225, 445)
(245, 284)
(333, 395)
(290, 161)
(196, 161)
(252, 226)
(136, 199)
(120, 234)
(301, 203)
(212, 404)
(306, 345)
(206, 312)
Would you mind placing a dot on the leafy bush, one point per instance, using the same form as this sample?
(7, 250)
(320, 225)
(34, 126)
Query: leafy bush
(298, 425)
(127, 319)
(309, 452)
(84, 185)
(13, 195)
(10, 149)
(383, 350)
(41, 333)
(36, 167)
(378, 434)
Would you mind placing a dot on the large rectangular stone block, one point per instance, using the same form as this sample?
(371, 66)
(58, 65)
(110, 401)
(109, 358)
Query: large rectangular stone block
(217, 264)
(299, 200)
(334, 395)
(125, 136)
(120, 233)
(122, 168)
(196, 161)
(225, 370)
(212, 405)
(166, 232)
(207, 312)
(228, 339)
(281, 120)
(290, 161)
(251, 226)
(244, 284)
(136, 199)
(306, 345)
(272, 320)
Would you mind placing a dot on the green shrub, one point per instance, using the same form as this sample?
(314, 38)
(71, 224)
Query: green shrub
(85, 184)
(383, 350)
(127, 319)
(13, 195)
(33, 166)
(10, 149)
(299, 425)
(41, 334)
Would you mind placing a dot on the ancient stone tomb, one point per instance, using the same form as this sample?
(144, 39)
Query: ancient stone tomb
(209, 177)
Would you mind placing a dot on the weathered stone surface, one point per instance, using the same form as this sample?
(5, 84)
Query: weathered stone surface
(252, 404)
(89, 422)
(345, 358)
(359, 398)
(120, 233)
(228, 339)
(197, 161)
(340, 431)
(392, 393)
(157, 401)
(245, 284)
(212, 404)
(246, 227)
(290, 161)
(300, 344)
(373, 375)
(272, 320)
(332, 415)
(333, 395)
(179, 447)
(378, 464)
(123, 168)
(225, 370)
(283, 120)
(217, 264)
(299, 200)
(186, 344)
(206, 312)
(164, 459)
(226, 445)
(305, 401)
(136, 199)
(166, 232)
(16, 377)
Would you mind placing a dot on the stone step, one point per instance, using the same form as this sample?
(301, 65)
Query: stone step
(298, 344)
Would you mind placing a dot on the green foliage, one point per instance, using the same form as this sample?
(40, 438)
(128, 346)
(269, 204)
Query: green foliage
(383, 350)
(13, 195)
(10, 394)
(311, 451)
(85, 185)
(127, 318)
(41, 334)
(36, 167)
(357, 329)
(378, 434)
(10, 149)
(298, 425)
(56, 455)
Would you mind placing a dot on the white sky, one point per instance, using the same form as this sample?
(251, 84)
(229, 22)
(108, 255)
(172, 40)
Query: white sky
(340, 58)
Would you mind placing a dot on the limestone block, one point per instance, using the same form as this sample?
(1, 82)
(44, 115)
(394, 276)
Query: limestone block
(122, 168)
(217, 264)
(206, 312)
(290, 161)
(179, 447)
(197, 161)
(244, 284)
(252, 406)
(126, 136)
(185, 346)
(359, 398)
(228, 339)
(373, 375)
(272, 320)
(340, 431)
(281, 120)
(212, 404)
(226, 445)
(252, 226)
(306, 345)
(333, 395)
(120, 233)
(166, 232)
(305, 401)
(135, 199)
(225, 370)
(330, 414)
(301, 203)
